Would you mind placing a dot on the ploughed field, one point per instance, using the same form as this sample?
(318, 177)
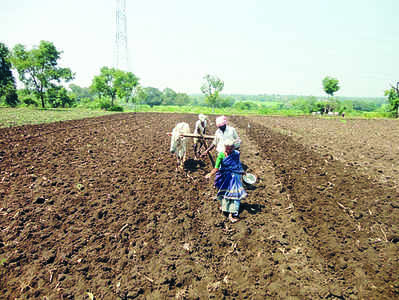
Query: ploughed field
(95, 207)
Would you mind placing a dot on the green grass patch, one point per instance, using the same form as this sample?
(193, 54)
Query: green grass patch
(209, 111)
(25, 116)
(376, 115)
(368, 115)
(272, 110)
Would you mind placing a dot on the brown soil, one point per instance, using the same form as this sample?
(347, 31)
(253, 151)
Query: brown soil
(96, 206)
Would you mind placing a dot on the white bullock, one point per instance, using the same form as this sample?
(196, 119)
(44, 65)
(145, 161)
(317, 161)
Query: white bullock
(178, 143)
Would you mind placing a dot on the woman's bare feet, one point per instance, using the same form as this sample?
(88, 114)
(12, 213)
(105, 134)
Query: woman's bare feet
(233, 219)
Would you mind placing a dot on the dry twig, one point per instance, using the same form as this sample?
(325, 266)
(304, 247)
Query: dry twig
(383, 232)
(123, 228)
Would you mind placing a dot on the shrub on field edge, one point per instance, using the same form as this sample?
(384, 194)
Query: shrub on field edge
(29, 101)
(106, 105)
(115, 107)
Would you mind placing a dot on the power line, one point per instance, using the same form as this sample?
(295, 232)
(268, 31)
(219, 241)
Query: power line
(121, 60)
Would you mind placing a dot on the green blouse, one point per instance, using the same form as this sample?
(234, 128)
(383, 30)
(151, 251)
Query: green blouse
(219, 159)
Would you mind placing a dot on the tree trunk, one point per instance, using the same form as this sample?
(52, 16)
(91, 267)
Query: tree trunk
(42, 98)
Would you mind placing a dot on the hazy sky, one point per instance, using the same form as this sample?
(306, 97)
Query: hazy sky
(255, 46)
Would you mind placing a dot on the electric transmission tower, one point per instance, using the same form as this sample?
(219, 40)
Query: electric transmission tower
(121, 60)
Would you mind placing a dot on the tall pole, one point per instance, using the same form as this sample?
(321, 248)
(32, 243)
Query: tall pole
(121, 60)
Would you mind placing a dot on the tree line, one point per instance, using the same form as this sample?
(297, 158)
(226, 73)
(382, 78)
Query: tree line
(45, 82)
(45, 85)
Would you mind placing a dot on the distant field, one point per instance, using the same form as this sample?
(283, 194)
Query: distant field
(25, 116)
(22, 116)
(10, 117)
(270, 109)
(210, 111)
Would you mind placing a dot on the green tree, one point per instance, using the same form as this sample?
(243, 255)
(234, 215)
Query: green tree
(26, 97)
(151, 96)
(139, 96)
(7, 81)
(332, 104)
(104, 84)
(182, 99)
(126, 84)
(38, 68)
(246, 105)
(113, 82)
(226, 102)
(57, 96)
(168, 96)
(320, 107)
(330, 85)
(361, 105)
(211, 87)
(81, 92)
(393, 99)
(302, 104)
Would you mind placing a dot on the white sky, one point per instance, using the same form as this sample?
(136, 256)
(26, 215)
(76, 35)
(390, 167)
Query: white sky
(255, 46)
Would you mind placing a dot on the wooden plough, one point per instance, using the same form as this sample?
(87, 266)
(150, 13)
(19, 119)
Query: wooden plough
(201, 137)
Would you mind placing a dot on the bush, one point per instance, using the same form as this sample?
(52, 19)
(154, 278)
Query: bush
(99, 103)
(89, 103)
(265, 110)
(104, 104)
(29, 101)
(246, 105)
(115, 107)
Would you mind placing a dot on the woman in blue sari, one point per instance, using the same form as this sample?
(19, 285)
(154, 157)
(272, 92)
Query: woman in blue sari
(228, 180)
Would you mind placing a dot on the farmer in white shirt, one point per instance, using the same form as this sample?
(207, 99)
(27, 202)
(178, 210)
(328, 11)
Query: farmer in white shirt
(200, 129)
(224, 132)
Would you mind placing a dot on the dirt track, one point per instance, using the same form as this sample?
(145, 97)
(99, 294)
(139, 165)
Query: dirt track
(96, 206)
